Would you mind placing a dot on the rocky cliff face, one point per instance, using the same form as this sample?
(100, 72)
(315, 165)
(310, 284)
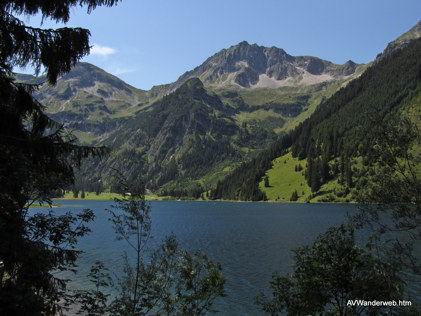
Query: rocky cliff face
(252, 66)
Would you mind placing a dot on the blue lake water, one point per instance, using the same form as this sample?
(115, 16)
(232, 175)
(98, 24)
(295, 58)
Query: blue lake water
(250, 240)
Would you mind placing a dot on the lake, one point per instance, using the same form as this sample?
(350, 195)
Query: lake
(250, 240)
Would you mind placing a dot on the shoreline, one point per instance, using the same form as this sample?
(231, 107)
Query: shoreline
(155, 198)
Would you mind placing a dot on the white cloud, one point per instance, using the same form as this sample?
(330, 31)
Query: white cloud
(116, 70)
(102, 50)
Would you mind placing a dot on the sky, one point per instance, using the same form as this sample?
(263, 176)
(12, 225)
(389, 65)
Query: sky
(152, 42)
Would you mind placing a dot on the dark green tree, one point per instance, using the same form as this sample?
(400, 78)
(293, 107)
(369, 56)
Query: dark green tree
(342, 167)
(348, 173)
(36, 158)
(329, 274)
(324, 168)
(294, 196)
(315, 176)
(266, 182)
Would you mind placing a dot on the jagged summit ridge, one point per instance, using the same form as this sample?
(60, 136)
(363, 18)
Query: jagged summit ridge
(250, 65)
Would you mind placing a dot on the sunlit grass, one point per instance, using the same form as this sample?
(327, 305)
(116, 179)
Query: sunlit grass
(284, 180)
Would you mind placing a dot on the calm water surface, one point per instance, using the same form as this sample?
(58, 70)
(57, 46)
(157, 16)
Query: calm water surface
(250, 240)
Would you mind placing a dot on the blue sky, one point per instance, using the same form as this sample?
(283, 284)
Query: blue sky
(153, 42)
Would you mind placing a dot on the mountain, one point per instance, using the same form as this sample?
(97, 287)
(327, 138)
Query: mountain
(188, 135)
(280, 87)
(174, 131)
(88, 100)
(402, 41)
(328, 146)
(189, 139)
(252, 66)
(198, 132)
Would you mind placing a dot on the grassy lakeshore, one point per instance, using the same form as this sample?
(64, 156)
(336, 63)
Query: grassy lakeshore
(44, 205)
(92, 196)
(105, 196)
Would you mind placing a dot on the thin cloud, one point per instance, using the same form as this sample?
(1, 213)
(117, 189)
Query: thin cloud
(102, 50)
(116, 70)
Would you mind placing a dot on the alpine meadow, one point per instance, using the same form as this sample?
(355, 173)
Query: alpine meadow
(121, 201)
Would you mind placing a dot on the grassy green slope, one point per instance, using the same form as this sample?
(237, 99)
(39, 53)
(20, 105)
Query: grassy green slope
(284, 180)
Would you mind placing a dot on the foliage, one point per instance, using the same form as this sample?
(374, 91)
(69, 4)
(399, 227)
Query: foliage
(329, 273)
(56, 50)
(169, 281)
(94, 302)
(182, 189)
(391, 198)
(31, 249)
(172, 282)
(294, 196)
(36, 159)
(266, 182)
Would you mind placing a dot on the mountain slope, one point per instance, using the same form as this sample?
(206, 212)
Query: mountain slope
(402, 41)
(339, 127)
(180, 141)
(88, 100)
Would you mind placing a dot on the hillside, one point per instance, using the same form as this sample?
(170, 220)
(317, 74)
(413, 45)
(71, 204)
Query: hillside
(337, 134)
(88, 100)
(185, 141)
(402, 41)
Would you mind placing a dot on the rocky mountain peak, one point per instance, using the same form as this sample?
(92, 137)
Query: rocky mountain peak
(247, 65)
